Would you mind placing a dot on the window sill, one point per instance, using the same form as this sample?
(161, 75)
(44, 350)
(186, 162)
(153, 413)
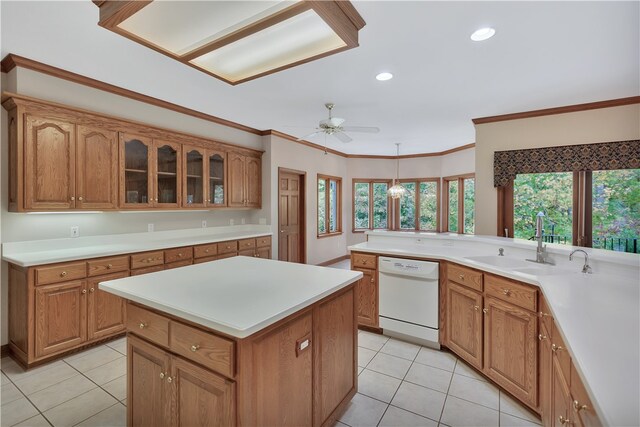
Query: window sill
(335, 233)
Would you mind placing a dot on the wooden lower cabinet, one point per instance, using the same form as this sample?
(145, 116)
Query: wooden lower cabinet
(544, 377)
(560, 397)
(510, 349)
(60, 317)
(106, 313)
(367, 298)
(464, 323)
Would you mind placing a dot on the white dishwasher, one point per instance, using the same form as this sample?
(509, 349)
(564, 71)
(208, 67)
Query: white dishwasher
(409, 299)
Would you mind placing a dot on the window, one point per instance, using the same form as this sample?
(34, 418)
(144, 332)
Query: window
(329, 205)
(599, 209)
(418, 208)
(370, 205)
(459, 204)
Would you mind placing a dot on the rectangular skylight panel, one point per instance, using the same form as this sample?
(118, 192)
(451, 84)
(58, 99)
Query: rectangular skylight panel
(182, 26)
(300, 37)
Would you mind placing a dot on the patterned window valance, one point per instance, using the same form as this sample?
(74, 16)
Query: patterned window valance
(568, 158)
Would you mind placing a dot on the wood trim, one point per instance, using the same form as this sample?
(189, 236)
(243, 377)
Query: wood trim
(11, 61)
(334, 260)
(334, 16)
(4, 351)
(582, 209)
(505, 211)
(288, 137)
(303, 209)
(558, 110)
(113, 13)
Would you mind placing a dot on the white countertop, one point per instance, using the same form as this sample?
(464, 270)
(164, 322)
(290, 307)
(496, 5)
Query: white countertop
(237, 296)
(598, 316)
(39, 252)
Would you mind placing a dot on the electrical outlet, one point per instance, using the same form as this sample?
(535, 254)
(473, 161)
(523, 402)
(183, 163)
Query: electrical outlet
(75, 231)
(150, 227)
(204, 223)
(231, 222)
(242, 221)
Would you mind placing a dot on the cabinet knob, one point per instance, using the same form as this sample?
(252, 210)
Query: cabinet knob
(109, 266)
(80, 198)
(476, 307)
(485, 311)
(92, 290)
(578, 407)
(506, 292)
(64, 273)
(542, 337)
(161, 375)
(461, 277)
(195, 347)
(541, 314)
(206, 251)
(169, 380)
(84, 291)
(180, 255)
(149, 259)
(373, 280)
(563, 420)
(142, 325)
(73, 198)
(556, 348)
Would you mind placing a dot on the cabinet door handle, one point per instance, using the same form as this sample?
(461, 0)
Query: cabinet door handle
(542, 337)
(563, 420)
(461, 276)
(578, 407)
(64, 273)
(84, 291)
(142, 325)
(80, 198)
(373, 279)
(169, 380)
(92, 290)
(73, 198)
(506, 291)
(485, 311)
(206, 251)
(180, 255)
(195, 347)
(556, 348)
(162, 375)
(109, 266)
(476, 307)
(541, 314)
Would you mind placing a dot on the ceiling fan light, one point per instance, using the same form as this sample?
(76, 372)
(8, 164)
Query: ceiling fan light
(396, 191)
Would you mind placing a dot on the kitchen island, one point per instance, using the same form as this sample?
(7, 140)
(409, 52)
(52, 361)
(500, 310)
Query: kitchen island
(240, 341)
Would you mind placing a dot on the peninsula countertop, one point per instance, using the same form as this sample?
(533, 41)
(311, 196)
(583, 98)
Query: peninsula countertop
(39, 252)
(237, 296)
(597, 314)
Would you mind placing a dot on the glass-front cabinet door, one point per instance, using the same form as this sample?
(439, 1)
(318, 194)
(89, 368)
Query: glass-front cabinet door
(194, 187)
(167, 174)
(136, 175)
(217, 194)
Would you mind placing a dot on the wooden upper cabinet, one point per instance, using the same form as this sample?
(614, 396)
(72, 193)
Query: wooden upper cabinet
(237, 172)
(510, 349)
(97, 168)
(167, 174)
(464, 323)
(60, 317)
(245, 181)
(253, 186)
(194, 186)
(49, 173)
(217, 173)
(136, 171)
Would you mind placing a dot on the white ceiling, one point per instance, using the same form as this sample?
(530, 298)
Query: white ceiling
(544, 54)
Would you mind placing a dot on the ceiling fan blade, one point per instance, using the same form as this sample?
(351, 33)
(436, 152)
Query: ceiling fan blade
(343, 137)
(310, 135)
(366, 129)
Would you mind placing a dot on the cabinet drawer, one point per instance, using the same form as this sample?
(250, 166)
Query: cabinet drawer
(545, 314)
(226, 247)
(205, 250)
(147, 270)
(178, 264)
(581, 403)
(61, 273)
(364, 261)
(247, 252)
(263, 241)
(107, 265)
(465, 276)
(151, 326)
(561, 353)
(147, 259)
(510, 291)
(178, 254)
(210, 350)
(245, 244)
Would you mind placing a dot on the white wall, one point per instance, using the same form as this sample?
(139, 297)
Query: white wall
(583, 127)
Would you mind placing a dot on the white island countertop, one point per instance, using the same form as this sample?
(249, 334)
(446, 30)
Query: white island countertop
(236, 296)
(597, 314)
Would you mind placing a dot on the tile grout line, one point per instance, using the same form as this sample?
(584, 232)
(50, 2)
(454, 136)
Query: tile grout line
(99, 412)
(447, 393)
(28, 400)
(98, 385)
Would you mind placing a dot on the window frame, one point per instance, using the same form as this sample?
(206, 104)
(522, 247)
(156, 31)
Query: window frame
(396, 205)
(370, 181)
(327, 179)
(446, 181)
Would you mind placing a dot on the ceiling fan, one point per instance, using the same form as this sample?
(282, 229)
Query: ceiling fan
(333, 127)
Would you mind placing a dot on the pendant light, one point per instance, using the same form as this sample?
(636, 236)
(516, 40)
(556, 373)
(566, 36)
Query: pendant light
(396, 191)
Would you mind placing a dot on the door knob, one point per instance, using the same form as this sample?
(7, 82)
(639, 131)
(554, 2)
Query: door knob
(282, 231)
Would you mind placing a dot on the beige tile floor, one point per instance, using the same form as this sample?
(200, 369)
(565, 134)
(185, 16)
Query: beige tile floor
(399, 384)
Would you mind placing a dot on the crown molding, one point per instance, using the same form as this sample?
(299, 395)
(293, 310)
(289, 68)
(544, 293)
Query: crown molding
(558, 110)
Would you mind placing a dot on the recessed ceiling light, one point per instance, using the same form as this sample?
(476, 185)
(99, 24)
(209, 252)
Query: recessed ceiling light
(384, 76)
(482, 34)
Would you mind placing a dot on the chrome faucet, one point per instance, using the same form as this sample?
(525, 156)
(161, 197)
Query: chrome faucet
(586, 268)
(541, 250)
